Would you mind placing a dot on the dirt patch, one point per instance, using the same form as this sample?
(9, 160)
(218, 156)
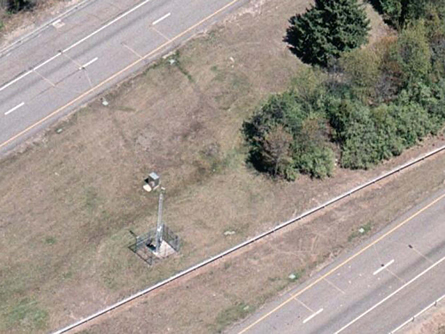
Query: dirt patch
(69, 200)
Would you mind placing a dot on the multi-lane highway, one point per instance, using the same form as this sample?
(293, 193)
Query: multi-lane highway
(374, 289)
(86, 52)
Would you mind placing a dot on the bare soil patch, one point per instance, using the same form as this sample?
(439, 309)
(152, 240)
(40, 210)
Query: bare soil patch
(68, 200)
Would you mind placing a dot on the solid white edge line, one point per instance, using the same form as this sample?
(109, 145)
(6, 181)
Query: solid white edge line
(391, 295)
(47, 61)
(15, 80)
(120, 17)
(15, 108)
(161, 19)
(28, 72)
(45, 26)
(248, 241)
(89, 63)
(383, 267)
(416, 315)
(312, 316)
(77, 43)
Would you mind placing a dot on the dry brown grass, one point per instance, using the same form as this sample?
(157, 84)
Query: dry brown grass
(232, 288)
(431, 322)
(68, 201)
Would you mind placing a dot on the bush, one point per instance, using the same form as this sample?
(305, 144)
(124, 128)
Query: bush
(275, 151)
(436, 108)
(391, 77)
(266, 133)
(354, 131)
(287, 137)
(400, 12)
(309, 87)
(380, 101)
(362, 70)
(327, 29)
(413, 53)
(317, 161)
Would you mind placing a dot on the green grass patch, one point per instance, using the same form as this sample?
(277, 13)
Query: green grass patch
(91, 199)
(50, 240)
(295, 276)
(28, 316)
(363, 230)
(232, 314)
(175, 60)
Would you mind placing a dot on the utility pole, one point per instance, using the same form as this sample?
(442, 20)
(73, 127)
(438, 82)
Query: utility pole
(160, 224)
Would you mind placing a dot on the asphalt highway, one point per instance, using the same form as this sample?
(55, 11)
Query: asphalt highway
(373, 289)
(87, 52)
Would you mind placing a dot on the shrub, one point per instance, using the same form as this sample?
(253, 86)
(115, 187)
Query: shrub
(413, 53)
(317, 161)
(275, 153)
(400, 12)
(362, 70)
(354, 130)
(391, 78)
(286, 137)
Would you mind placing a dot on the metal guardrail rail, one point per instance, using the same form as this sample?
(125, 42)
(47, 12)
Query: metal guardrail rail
(250, 241)
(413, 318)
(9, 47)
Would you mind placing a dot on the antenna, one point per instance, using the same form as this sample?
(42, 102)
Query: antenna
(160, 242)
(160, 224)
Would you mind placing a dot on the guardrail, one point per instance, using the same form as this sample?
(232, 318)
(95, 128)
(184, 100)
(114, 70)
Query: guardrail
(250, 241)
(413, 318)
(42, 27)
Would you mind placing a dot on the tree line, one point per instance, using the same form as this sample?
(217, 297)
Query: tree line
(358, 104)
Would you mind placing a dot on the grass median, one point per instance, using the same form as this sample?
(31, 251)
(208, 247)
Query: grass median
(70, 198)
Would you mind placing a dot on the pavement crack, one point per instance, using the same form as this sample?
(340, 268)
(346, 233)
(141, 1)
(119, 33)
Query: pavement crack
(131, 50)
(392, 273)
(161, 34)
(44, 78)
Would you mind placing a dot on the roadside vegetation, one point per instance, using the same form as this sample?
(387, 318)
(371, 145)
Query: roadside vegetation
(9, 8)
(357, 105)
(70, 198)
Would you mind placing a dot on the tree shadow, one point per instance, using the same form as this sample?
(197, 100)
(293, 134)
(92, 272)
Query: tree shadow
(15, 6)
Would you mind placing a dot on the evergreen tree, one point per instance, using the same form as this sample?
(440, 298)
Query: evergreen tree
(326, 30)
(399, 12)
(17, 5)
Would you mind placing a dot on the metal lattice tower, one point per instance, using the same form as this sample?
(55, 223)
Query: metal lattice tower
(160, 224)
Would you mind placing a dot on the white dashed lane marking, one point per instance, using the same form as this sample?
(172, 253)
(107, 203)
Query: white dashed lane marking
(161, 19)
(312, 316)
(383, 267)
(15, 108)
(88, 64)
